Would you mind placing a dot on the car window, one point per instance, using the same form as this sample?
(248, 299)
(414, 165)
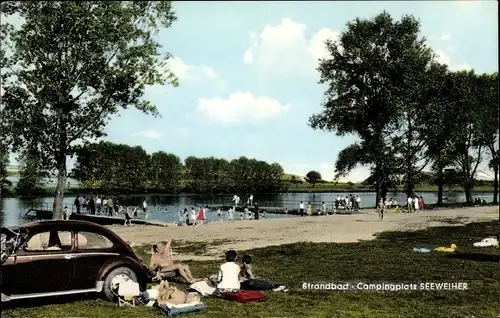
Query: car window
(90, 240)
(49, 241)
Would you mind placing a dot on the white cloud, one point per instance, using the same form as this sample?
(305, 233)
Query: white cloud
(190, 72)
(284, 48)
(239, 107)
(443, 58)
(151, 134)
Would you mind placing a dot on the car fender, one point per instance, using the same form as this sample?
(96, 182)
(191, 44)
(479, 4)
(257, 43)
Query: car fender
(138, 268)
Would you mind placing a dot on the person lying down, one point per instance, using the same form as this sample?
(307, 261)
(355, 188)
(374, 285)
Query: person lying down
(249, 281)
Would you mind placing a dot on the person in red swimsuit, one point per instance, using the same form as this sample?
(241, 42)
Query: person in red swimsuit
(201, 216)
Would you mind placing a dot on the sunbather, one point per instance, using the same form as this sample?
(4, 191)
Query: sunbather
(228, 278)
(162, 261)
(250, 281)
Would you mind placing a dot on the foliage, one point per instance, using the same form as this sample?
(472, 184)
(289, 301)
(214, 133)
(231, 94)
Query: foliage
(4, 162)
(31, 175)
(70, 65)
(118, 167)
(313, 177)
(374, 70)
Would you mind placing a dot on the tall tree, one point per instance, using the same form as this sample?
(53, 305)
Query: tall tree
(488, 107)
(374, 69)
(467, 144)
(165, 171)
(313, 177)
(73, 65)
(4, 162)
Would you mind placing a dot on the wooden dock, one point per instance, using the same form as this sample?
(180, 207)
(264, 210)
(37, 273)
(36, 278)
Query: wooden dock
(95, 218)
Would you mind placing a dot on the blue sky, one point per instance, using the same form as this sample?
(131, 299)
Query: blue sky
(248, 82)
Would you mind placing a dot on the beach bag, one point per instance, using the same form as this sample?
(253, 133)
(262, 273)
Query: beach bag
(244, 296)
(258, 284)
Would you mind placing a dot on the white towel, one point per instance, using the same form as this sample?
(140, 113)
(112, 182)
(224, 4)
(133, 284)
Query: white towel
(490, 241)
(203, 288)
(169, 305)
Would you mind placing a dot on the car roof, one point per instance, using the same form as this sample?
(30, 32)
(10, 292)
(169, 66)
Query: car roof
(68, 225)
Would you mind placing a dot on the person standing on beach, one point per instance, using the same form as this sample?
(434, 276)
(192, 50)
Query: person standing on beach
(256, 211)
(309, 209)
(421, 204)
(77, 204)
(416, 204)
(380, 209)
(301, 208)
(323, 208)
(98, 203)
(201, 216)
(219, 215)
(110, 206)
(358, 202)
(337, 201)
(192, 217)
(251, 199)
(410, 204)
(230, 213)
(91, 205)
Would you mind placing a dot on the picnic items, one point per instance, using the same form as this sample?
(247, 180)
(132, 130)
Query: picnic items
(203, 288)
(421, 250)
(172, 310)
(127, 292)
(443, 249)
(244, 296)
(261, 284)
(487, 242)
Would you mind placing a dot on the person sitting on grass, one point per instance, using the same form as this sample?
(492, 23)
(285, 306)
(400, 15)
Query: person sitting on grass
(228, 277)
(249, 281)
(162, 261)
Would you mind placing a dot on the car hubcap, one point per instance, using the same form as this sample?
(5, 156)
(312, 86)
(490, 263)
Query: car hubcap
(115, 282)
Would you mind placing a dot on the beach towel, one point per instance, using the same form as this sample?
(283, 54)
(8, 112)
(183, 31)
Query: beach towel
(203, 288)
(244, 296)
(421, 250)
(487, 242)
(450, 249)
(172, 310)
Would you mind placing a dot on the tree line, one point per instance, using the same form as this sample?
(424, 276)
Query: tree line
(118, 167)
(409, 112)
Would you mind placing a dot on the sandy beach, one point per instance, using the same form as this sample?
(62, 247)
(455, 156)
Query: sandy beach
(248, 234)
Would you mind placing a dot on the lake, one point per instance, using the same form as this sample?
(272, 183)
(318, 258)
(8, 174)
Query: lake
(165, 208)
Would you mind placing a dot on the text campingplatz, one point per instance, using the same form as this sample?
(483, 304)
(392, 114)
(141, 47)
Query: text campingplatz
(385, 286)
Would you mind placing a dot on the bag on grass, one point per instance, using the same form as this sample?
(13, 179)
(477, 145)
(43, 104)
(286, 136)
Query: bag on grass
(244, 296)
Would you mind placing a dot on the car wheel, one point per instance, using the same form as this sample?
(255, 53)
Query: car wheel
(118, 275)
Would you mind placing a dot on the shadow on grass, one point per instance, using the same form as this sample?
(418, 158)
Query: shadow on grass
(479, 257)
(388, 258)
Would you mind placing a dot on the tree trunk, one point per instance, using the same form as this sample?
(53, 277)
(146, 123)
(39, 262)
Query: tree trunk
(409, 165)
(495, 185)
(440, 185)
(57, 207)
(468, 192)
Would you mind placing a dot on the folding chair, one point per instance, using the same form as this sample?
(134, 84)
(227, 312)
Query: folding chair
(127, 292)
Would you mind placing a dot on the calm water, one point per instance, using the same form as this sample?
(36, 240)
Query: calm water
(165, 208)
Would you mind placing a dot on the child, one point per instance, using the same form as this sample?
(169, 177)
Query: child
(246, 268)
(219, 215)
(241, 216)
(228, 277)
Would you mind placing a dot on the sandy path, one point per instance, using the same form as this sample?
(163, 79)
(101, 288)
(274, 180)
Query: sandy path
(248, 234)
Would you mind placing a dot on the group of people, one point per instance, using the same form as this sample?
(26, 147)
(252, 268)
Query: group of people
(231, 276)
(349, 203)
(236, 199)
(415, 204)
(198, 217)
(105, 205)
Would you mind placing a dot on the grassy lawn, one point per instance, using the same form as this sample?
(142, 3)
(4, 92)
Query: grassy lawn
(389, 258)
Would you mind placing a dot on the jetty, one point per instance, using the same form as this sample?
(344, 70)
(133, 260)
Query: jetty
(44, 213)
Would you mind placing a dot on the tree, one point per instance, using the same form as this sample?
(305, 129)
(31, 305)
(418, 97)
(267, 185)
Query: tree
(165, 171)
(31, 174)
(488, 107)
(313, 177)
(73, 65)
(294, 180)
(374, 69)
(4, 162)
(467, 144)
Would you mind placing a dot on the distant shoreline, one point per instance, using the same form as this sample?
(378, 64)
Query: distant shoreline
(49, 192)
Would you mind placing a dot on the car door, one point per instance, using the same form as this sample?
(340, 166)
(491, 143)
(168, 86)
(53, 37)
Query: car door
(93, 251)
(45, 262)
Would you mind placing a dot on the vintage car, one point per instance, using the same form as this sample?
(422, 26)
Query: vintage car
(52, 258)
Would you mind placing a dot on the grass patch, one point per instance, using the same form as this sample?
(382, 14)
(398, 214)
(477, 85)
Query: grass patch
(388, 258)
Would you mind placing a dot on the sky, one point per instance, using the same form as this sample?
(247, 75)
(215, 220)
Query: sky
(248, 79)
